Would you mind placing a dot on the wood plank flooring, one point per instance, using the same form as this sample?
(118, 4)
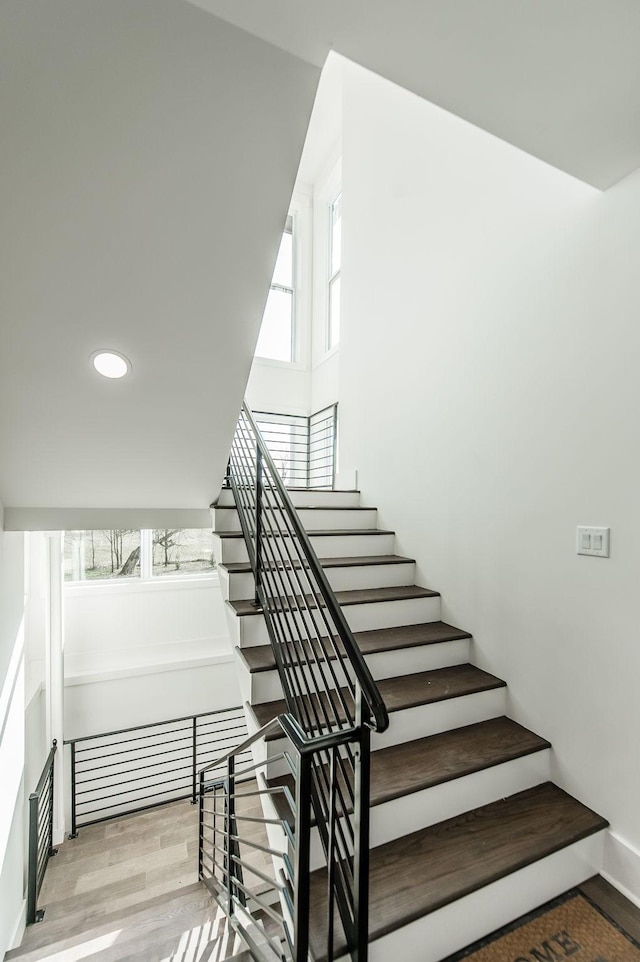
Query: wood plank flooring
(128, 889)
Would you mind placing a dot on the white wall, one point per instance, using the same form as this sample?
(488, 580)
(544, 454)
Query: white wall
(144, 652)
(12, 748)
(490, 401)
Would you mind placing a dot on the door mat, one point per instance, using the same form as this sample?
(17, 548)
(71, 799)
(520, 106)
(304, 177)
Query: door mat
(574, 929)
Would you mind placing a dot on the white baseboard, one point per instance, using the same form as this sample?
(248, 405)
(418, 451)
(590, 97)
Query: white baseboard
(19, 927)
(621, 866)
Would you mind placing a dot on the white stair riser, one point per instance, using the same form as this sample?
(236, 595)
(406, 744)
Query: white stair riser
(236, 586)
(392, 614)
(410, 813)
(413, 812)
(227, 519)
(252, 630)
(412, 723)
(440, 716)
(304, 498)
(231, 550)
(265, 685)
(406, 661)
(453, 927)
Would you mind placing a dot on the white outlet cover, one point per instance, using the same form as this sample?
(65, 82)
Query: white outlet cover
(592, 541)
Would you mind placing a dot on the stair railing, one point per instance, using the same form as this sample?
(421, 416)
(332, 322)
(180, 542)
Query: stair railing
(328, 688)
(40, 836)
(245, 814)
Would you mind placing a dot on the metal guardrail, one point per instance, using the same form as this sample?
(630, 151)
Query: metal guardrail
(133, 769)
(273, 911)
(40, 836)
(303, 449)
(331, 697)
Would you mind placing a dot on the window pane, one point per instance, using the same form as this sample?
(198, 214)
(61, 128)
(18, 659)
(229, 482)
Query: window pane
(95, 555)
(283, 273)
(336, 236)
(276, 340)
(334, 311)
(182, 551)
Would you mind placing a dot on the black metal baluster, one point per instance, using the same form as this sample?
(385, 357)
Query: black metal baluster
(74, 828)
(195, 761)
(231, 807)
(201, 826)
(302, 855)
(32, 893)
(259, 492)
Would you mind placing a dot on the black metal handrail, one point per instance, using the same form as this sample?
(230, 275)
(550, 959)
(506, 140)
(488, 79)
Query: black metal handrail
(267, 482)
(40, 835)
(134, 769)
(272, 910)
(328, 688)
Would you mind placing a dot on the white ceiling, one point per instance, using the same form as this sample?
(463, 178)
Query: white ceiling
(149, 152)
(558, 78)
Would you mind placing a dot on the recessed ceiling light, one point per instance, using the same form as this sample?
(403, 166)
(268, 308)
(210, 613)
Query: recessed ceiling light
(111, 363)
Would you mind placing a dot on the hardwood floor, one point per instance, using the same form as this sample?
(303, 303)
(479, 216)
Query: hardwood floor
(128, 889)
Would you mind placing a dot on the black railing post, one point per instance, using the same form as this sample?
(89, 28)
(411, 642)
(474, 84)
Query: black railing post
(331, 854)
(334, 453)
(195, 761)
(231, 811)
(201, 827)
(362, 780)
(52, 851)
(303, 839)
(32, 880)
(259, 494)
(74, 830)
(309, 451)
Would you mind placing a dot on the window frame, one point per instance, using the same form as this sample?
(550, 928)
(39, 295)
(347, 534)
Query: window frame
(300, 210)
(327, 188)
(336, 275)
(146, 580)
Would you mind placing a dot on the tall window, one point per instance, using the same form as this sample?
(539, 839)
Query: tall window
(335, 265)
(130, 554)
(276, 340)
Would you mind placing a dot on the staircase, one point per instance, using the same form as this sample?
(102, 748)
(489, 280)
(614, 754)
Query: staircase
(467, 832)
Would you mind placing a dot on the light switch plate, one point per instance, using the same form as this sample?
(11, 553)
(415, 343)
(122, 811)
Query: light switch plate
(592, 541)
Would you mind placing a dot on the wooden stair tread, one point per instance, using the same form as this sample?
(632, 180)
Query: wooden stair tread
(359, 596)
(309, 507)
(410, 767)
(328, 532)
(261, 657)
(244, 567)
(423, 871)
(410, 691)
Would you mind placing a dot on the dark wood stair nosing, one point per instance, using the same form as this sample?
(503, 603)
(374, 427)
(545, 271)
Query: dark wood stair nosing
(245, 607)
(317, 533)
(310, 507)
(365, 641)
(348, 561)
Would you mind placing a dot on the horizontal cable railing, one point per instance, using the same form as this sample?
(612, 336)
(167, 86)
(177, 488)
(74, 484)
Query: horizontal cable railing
(323, 440)
(303, 448)
(327, 685)
(40, 835)
(133, 769)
